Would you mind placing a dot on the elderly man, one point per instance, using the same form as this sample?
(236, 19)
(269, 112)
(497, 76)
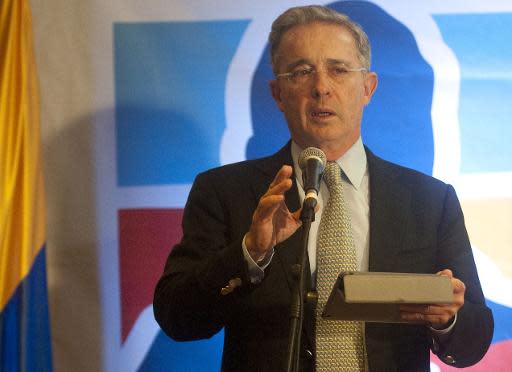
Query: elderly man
(242, 231)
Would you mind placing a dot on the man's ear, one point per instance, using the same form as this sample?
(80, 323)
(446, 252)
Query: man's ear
(370, 85)
(275, 90)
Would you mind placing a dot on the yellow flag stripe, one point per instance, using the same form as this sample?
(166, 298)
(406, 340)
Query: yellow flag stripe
(22, 219)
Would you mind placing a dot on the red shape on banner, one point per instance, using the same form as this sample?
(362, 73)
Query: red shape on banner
(146, 236)
(498, 358)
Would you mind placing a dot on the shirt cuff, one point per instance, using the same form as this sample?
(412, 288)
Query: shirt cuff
(256, 269)
(444, 331)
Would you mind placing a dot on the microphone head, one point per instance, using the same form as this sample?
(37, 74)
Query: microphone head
(312, 153)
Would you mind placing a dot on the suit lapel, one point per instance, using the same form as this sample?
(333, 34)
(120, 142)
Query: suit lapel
(390, 202)
(268, 168)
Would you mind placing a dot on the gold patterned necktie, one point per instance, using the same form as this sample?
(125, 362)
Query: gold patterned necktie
(339, 344)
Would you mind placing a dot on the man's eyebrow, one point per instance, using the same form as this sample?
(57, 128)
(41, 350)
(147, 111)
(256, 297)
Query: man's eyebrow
(335, 61)
(302, 61)
(305, 61)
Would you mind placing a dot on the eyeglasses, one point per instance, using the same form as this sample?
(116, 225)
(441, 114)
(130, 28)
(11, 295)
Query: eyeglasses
(303, 75)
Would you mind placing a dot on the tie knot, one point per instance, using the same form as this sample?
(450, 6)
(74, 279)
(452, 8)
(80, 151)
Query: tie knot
(332, 175)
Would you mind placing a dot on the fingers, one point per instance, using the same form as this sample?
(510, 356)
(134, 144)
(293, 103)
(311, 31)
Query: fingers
(282, 181)
(280, 188)
(458, 286)
(283, 173)
(274, 197)
(437, 314)
(424, 309)
(267, 206)
(271, 221)
(445, 272)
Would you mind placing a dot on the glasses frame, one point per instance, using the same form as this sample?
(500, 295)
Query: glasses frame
(288, 75)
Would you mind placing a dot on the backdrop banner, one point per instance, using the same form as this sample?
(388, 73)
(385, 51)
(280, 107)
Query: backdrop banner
(138, 97)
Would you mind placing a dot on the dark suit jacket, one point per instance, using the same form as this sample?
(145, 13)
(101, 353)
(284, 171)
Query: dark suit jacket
(416, 225)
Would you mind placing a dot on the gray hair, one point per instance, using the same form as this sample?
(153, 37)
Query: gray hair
(302, 15)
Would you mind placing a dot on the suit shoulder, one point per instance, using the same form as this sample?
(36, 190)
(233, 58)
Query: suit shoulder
(263, 168)
(238, 169)
(405, 175)
(244, 172)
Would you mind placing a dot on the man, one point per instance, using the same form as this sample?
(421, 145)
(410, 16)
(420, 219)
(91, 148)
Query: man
(242, 231)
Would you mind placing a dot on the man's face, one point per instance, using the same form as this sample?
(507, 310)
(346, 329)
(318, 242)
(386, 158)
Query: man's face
(323, 109)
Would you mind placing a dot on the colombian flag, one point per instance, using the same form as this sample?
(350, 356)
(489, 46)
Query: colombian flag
(24, 322)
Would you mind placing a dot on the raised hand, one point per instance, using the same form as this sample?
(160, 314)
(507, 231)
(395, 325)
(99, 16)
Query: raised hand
(272, 222)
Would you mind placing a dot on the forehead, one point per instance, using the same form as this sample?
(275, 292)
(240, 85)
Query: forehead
(317, 42)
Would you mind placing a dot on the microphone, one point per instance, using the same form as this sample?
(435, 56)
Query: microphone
(312, 163)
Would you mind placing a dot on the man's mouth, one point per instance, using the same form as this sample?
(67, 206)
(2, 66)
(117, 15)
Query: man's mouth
(321, 113)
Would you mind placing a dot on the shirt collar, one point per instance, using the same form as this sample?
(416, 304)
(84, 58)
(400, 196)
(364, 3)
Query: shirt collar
(353, 162)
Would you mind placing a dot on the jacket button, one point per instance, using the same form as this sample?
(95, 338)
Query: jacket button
(309, 354)
(449, 359)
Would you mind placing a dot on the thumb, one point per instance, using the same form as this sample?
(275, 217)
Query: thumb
(445, 272)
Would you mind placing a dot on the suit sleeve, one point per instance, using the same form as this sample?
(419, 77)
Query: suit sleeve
(188, 303)
(472, 333)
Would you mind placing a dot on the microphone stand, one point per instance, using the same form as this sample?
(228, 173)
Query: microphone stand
(299, 278)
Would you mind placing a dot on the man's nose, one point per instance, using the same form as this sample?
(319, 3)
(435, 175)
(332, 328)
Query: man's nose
(322, 84)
